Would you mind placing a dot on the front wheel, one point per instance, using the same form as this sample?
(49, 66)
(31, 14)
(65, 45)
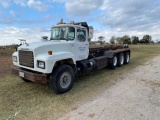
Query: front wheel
(62, 79)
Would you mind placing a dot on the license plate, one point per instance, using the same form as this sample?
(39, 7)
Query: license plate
(21, 74)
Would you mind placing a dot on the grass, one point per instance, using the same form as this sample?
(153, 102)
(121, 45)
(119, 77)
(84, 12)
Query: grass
(20, 100)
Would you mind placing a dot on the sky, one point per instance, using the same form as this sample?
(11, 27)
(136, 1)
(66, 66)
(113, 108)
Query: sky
(31, 19)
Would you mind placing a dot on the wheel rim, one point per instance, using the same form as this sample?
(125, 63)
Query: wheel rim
(127, 58)
(115, 61)
(122, 59)
(65, 80)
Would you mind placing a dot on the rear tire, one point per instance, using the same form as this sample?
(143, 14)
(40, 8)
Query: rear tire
(120, 59)
(62, 79)
(126, 58)
(112, 62)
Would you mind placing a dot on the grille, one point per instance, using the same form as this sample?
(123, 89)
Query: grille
(26, 58)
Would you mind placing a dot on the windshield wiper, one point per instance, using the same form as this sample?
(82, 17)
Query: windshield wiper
(63, 39)
(59, 39)
(52, 39)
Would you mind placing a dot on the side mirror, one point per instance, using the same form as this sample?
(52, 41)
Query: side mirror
(44, 37)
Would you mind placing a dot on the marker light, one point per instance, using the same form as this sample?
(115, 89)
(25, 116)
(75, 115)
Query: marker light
(49, 52)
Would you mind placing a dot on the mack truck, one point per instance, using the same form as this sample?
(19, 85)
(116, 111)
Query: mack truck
(69, 52)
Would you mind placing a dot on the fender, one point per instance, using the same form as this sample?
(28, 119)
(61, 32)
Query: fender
(50, 60)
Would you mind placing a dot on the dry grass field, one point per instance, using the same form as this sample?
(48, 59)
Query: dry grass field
(20, 100)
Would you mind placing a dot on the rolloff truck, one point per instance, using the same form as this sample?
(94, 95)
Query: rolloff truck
(68, 53)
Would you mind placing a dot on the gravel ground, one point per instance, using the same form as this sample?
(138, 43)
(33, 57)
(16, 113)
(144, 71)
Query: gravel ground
(135, 97)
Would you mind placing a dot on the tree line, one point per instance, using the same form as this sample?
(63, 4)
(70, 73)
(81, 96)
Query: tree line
(146, 39)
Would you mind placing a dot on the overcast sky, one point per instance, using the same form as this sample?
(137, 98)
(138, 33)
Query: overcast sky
(31, 19)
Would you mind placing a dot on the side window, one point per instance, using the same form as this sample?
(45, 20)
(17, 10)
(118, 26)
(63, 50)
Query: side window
(55, 32)
(71, 33)
(81, 35)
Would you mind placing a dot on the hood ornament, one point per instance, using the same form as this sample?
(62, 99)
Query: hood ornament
(23, 41)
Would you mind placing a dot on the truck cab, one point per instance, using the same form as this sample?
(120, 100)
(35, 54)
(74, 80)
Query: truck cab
(64, 55)
(77, 37)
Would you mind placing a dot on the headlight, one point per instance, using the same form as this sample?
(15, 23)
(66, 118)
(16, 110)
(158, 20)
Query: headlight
(14, 58)
(41, 64)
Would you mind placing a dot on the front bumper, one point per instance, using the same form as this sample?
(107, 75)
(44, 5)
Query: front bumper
(31, 76)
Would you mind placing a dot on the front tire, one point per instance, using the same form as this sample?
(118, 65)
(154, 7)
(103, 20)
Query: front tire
(62, 79)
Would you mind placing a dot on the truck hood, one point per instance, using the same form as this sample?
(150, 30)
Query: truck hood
(45, 46)
(35, 45)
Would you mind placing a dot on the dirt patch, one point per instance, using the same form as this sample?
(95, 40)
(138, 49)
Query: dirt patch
(74, 108)
(80, 113)
(6, 61)
(5, 65)
(155, 83)
(92, 115)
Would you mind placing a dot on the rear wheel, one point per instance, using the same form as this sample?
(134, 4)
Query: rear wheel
(112, 62)
(62, 79)
(120, 60)
(126, 58)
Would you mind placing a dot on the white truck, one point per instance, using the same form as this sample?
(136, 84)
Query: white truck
(65, 55)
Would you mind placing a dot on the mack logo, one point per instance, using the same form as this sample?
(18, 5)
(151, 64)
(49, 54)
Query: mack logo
(25, 49)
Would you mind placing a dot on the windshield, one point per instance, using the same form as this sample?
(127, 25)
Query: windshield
(63, 33)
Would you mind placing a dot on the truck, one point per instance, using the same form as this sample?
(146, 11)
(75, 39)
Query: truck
(68, 53)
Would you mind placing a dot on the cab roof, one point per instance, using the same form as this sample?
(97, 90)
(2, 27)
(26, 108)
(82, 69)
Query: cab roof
(78, 24)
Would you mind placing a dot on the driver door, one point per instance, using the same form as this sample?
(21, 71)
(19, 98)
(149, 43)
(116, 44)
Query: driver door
(81, 46)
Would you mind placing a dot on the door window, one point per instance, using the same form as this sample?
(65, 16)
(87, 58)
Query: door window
(81, 35)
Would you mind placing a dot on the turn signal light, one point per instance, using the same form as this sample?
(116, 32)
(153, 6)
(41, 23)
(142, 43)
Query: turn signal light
(49, 52)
